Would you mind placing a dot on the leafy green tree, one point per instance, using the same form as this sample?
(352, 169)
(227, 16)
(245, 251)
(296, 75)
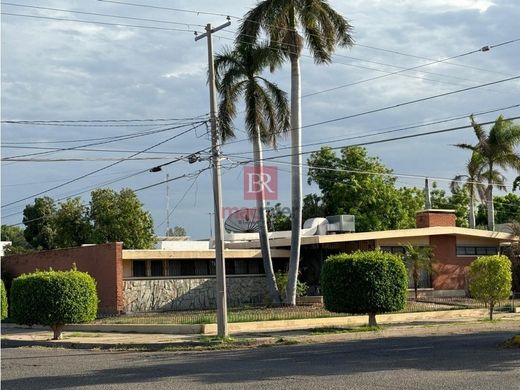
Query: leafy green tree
(267, 117)
(72, 223)
(364, 282)
(323, 29)
(18, 242)
(120, 217)
(3, 296)
(278, 218)
(177, 231)
(471, 181)
(458, 201)
(507, 208)
(355, 183)
(490, 280)
(418, 259)
(54, 298)
(39, 221)
(498, 150)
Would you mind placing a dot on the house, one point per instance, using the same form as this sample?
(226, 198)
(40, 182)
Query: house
(182, 276)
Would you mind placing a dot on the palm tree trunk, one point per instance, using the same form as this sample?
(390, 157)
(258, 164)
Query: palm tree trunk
(296, 180)
(472, 210)
(490, 208)
(270, 278)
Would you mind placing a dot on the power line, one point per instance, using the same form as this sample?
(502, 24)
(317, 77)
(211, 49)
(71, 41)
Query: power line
(97, 22)
(110, 140)
(50, 121)
(101, 14)
(379, 141)
(412, 102)
(392, 129)
(101, 169)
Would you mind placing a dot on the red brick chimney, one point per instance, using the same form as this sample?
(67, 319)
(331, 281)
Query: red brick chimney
(433, 217)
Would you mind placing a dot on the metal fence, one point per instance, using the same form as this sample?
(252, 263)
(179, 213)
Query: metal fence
(262, 313)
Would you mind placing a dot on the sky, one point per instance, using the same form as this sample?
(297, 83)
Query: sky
(142, 85)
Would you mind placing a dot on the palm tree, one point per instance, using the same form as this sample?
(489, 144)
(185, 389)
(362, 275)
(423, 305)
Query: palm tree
(417, 258)
(472, 183)
(267, 116)
(497, 150)
(324, 29)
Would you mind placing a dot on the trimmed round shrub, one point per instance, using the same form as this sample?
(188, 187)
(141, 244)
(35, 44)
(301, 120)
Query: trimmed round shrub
(54, 298)
(3, 293)
(490, 280)
(364, 282)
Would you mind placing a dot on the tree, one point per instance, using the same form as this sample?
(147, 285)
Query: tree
(355, 183)
(3, 297)
(267, 116)
(458, 201)
(364, 282)
(54, 298)
(177, 231)
(490, 280)
(18, 242)
(507, 208)
(471, 181)
(120, 217)
(324, 29)
(72, 224)
(497, 150)
(39, 221)
(417, 258)
(278, 218)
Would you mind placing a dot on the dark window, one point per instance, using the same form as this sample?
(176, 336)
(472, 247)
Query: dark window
(156, 268)
(393, 249)
(201, 267)
(212, 267)
(254, 267)
(187, 267)
(139, 268)
(174, 268)
(476, 250)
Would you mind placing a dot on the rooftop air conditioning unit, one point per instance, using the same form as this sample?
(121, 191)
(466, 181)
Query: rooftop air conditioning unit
(341, 224)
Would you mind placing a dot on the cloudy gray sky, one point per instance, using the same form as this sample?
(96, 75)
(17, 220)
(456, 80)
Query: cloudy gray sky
(56, 69)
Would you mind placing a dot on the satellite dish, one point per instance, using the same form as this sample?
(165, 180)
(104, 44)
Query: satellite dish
(242, 221)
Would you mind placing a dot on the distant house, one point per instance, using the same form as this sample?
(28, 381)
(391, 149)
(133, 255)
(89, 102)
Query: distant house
(183, 275)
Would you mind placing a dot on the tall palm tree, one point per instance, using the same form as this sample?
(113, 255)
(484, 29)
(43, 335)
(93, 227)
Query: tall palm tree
(323, 29)
(471, 182)
(266, 117)
(498, 150)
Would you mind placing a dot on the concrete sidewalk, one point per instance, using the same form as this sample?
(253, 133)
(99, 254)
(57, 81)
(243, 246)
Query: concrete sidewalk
(19, 336)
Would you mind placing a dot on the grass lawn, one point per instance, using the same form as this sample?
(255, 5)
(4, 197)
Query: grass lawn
(251, 314)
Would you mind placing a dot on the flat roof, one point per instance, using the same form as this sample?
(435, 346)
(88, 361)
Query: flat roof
(159, 254)
(381, 235)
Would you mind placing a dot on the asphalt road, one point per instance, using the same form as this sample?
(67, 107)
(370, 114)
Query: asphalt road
(469, 361)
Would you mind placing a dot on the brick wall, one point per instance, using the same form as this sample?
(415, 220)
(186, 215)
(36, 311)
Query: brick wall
(103, 262)
(429, 218)
(449, 270)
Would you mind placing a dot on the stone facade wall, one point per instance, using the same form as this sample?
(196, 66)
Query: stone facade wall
(190, 293)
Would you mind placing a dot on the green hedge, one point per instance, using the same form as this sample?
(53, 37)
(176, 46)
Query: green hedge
(364, 282)
(54, 298)
(4, 299)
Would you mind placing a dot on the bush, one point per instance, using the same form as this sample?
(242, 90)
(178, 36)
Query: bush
(3, 294)
(364, 282)
(281, 284)
(490, 280)
(54, 298)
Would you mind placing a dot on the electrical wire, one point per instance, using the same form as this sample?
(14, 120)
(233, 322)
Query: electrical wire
(101, 169)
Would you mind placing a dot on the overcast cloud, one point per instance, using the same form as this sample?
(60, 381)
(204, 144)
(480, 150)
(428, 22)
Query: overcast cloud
(61, 70)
